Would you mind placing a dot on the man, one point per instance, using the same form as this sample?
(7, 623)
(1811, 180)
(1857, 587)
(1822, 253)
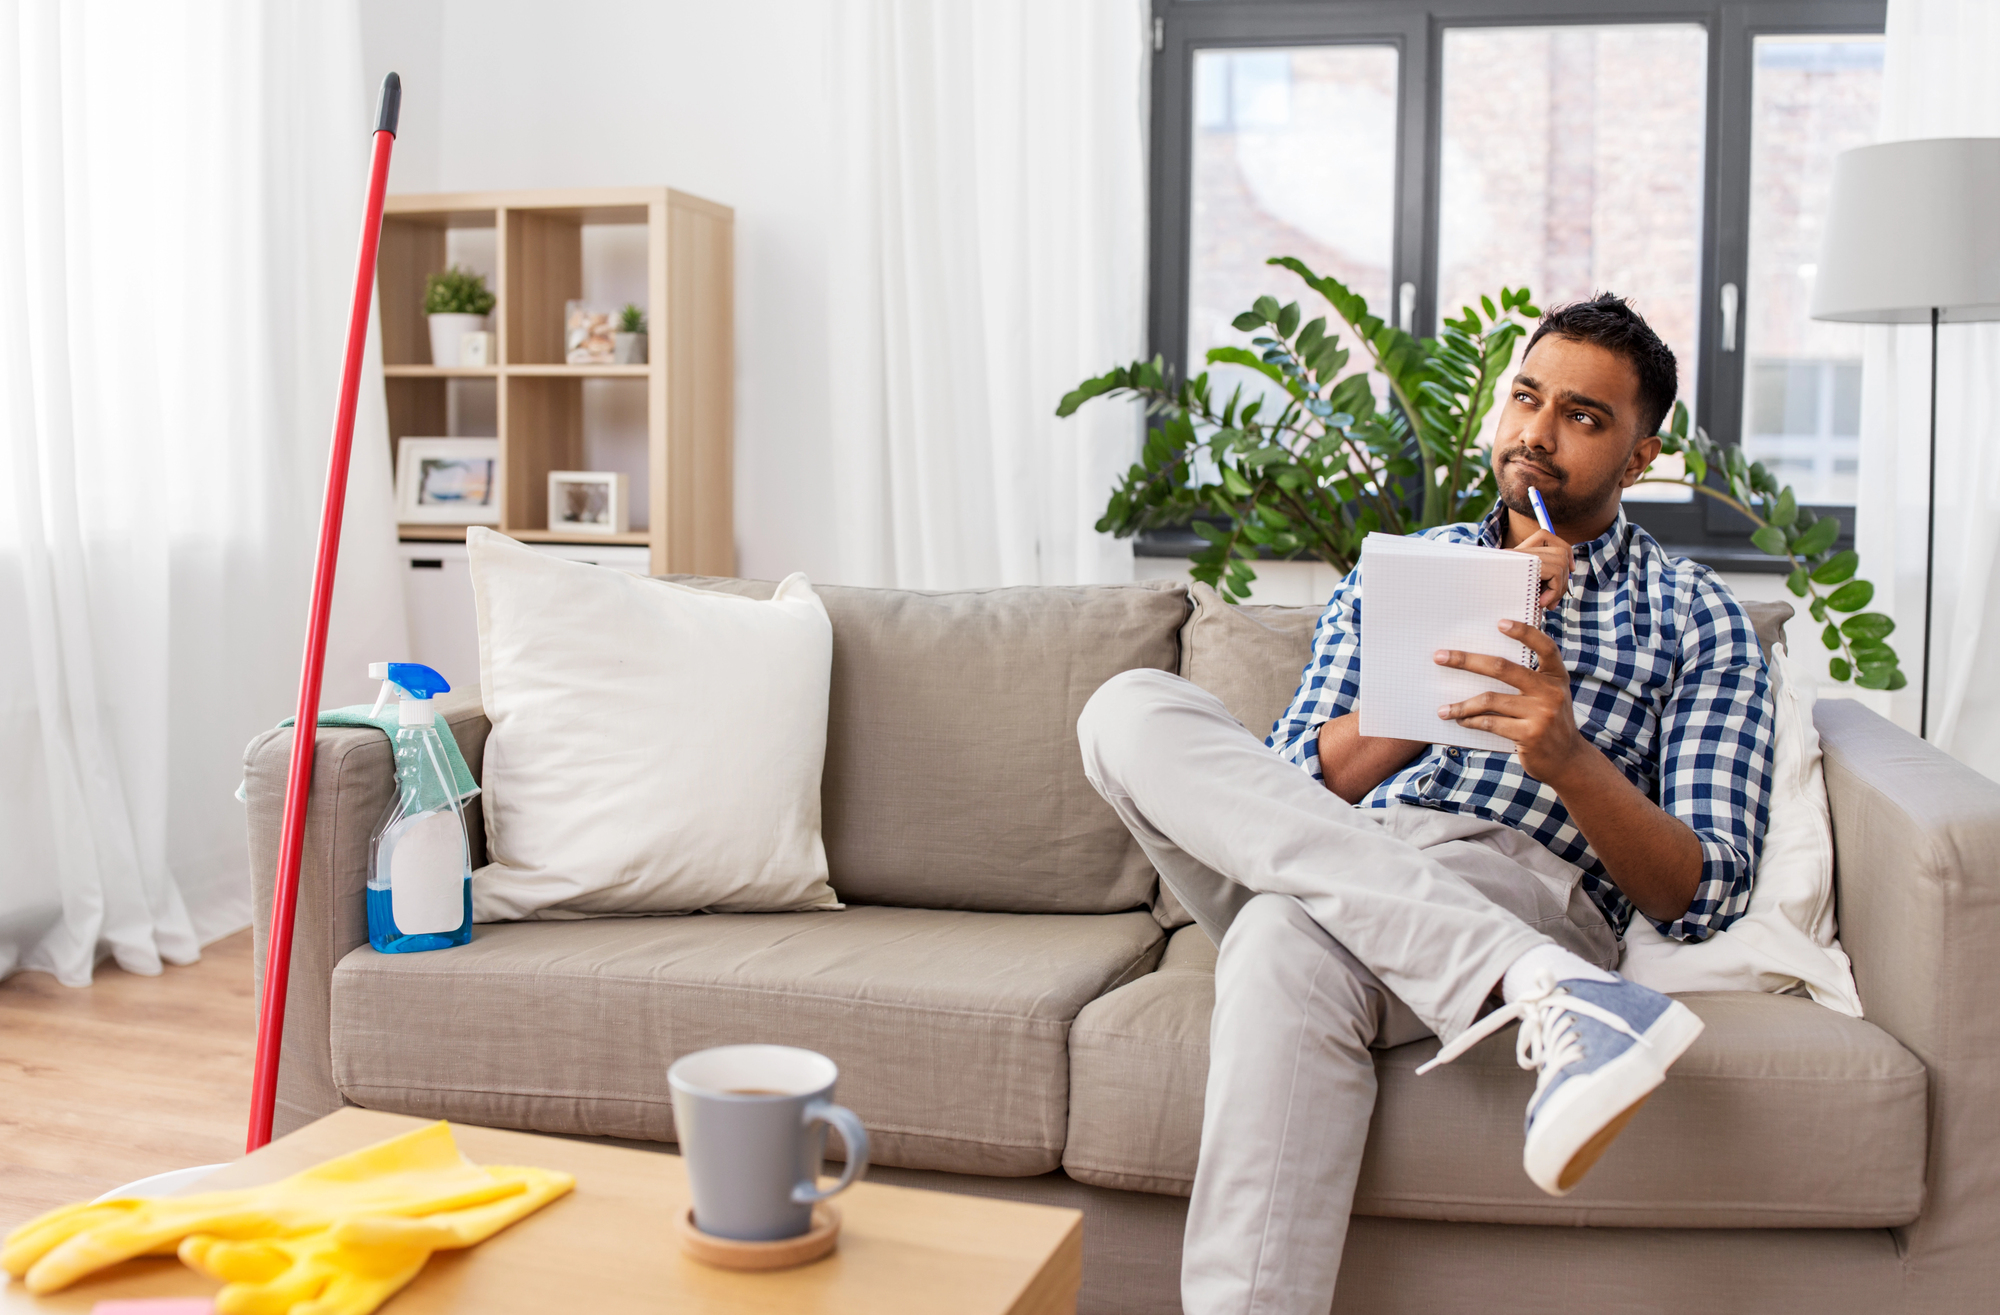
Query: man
(1390, 888)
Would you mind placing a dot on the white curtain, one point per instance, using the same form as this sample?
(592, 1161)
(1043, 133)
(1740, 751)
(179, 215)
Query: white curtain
(1937, 82)
(180, 194)
(988, 247)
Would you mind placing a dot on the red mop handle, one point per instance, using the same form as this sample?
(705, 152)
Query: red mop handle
(298, 783)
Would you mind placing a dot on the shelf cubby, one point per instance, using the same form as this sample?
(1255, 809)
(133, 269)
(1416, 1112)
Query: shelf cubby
(538, 241)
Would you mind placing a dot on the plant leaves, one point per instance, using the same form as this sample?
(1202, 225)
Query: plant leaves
(1785, 512)
(1770, 539)
(1249, 322)
(1288, 319)
(1830, 637)
(1817, 539)
(1837, 568)
(1838, 669)
(1868, 625)
(1796, 582)
(1852, 596)
(1880, 678)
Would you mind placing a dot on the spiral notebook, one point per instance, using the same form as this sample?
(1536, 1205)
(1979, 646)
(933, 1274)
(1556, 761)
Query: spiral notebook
(1418, 596)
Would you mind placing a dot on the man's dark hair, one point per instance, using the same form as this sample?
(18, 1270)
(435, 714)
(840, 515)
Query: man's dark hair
(1610, 322)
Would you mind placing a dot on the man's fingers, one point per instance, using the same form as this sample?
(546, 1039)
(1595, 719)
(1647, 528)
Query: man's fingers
(1485, 664)
(1507, 728)
(1539, 644)
(1490, 703)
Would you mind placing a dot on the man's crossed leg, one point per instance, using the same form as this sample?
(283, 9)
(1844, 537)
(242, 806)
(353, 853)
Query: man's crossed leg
(1343, 929)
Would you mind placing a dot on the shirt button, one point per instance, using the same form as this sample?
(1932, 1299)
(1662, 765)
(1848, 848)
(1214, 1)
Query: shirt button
(1451, 753)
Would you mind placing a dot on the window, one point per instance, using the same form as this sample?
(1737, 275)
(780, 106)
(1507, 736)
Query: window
(1294, 152)
(1812, 97)
(1429, 151)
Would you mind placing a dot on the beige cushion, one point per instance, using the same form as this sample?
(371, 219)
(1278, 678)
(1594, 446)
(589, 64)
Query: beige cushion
(1250, 656)
(1138, 1062)
(1783, 1115)
(950, 1028)
(953, 777)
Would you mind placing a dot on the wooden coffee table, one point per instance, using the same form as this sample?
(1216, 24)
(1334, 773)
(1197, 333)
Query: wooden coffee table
(608, 1246)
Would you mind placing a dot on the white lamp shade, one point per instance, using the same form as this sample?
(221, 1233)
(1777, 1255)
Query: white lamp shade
(1912, 226)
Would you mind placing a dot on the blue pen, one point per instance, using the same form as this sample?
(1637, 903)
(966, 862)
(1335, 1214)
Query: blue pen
(1541, 509)
(1542, 517)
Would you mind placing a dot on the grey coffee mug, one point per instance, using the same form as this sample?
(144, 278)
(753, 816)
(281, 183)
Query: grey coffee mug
(752, 1126)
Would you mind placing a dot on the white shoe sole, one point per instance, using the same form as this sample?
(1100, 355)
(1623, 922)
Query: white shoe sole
(1581, 1118)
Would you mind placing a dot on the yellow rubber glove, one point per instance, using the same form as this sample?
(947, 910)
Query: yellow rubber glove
(357, 1264)
(420, 1172)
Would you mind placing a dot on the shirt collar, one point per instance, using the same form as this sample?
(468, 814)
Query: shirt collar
(1603, 557)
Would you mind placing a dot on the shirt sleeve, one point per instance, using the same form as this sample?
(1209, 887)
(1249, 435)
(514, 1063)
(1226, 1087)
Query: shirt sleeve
(1331, 681)
(1715, 758)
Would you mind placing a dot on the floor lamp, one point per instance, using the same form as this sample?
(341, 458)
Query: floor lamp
(1913, 235)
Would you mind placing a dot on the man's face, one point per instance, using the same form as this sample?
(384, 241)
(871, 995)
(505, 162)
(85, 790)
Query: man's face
(1569, 428)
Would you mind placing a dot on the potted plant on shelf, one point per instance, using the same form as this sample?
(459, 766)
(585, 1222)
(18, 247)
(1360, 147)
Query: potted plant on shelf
(628, 341)
(458, 303)
(1314, 463)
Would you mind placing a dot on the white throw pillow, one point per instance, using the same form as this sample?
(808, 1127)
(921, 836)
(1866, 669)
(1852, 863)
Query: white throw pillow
(1786, 938)
(655, 748)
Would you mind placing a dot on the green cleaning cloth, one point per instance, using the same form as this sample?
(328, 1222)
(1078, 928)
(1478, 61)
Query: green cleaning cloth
(357, 715)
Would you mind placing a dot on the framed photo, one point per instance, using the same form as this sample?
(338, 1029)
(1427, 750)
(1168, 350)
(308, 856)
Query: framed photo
(588, 501)
(587, 333)
(448, 481)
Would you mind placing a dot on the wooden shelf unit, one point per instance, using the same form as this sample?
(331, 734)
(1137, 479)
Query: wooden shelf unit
(689, 378)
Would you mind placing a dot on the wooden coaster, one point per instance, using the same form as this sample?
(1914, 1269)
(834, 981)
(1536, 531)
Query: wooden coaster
(727, 1253)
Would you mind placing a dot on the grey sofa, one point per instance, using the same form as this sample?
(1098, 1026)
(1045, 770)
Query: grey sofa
(1017, 1011)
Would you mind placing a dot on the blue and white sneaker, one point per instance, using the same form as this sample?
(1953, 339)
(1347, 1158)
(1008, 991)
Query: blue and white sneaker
(1601, 1048)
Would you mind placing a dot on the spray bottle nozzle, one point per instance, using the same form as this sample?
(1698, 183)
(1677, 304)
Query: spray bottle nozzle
(413, 679)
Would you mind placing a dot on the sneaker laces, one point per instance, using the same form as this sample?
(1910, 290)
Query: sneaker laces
(1547, 1039)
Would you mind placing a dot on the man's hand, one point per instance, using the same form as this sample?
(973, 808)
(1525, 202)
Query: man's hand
(1558, 561)
(1540, 720)
(1651, 856)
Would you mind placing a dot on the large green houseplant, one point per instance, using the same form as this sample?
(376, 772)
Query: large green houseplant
(1316, 466)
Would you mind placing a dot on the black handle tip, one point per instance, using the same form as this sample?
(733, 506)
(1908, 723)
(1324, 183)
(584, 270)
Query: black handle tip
(392, 105)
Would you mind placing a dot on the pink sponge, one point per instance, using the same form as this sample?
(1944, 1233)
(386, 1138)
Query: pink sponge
(156, 1306)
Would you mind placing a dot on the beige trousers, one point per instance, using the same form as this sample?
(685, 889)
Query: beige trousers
(1341, 929)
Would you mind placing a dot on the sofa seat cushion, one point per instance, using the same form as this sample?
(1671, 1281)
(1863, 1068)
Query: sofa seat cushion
(1784, 1114)
(950, 1028)
(1138, 1064)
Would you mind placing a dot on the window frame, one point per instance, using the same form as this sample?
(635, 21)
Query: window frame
(1701, 528)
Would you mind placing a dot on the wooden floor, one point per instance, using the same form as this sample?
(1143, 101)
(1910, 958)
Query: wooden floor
(126, 1077)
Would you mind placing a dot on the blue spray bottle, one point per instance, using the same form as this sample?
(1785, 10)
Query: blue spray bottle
(419, 865)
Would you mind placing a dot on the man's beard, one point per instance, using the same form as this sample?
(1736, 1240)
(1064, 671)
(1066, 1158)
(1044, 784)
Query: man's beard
(1566, 505)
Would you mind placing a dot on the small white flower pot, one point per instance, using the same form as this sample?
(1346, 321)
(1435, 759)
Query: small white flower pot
(445, 333)
(628, 348)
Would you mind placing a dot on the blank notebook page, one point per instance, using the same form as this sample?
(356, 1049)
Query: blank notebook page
(1418, 596)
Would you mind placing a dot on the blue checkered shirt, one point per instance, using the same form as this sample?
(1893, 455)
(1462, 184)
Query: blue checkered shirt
(1667, 681)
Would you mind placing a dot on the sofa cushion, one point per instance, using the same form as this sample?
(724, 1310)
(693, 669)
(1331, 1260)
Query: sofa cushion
(950, 1028)
(1784, 1114)
(1138, 1063)
(1249, 655)
(953, 778)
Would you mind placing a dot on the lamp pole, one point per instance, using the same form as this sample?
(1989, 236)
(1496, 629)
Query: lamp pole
(1930, 543)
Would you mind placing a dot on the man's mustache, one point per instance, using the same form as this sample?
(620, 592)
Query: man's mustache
(1518, 456)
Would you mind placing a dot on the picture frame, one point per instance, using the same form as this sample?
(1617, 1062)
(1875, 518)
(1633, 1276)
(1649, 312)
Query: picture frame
(448, 481)
(587, 334)
(589, 502)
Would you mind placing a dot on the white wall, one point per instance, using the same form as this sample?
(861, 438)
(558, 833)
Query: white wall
(727, 101)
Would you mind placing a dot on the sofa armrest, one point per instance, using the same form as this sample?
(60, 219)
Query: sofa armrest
(1916, 837)
(353, 781)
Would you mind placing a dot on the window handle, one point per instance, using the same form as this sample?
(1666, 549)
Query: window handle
(1729, 317)
(1406, 307)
